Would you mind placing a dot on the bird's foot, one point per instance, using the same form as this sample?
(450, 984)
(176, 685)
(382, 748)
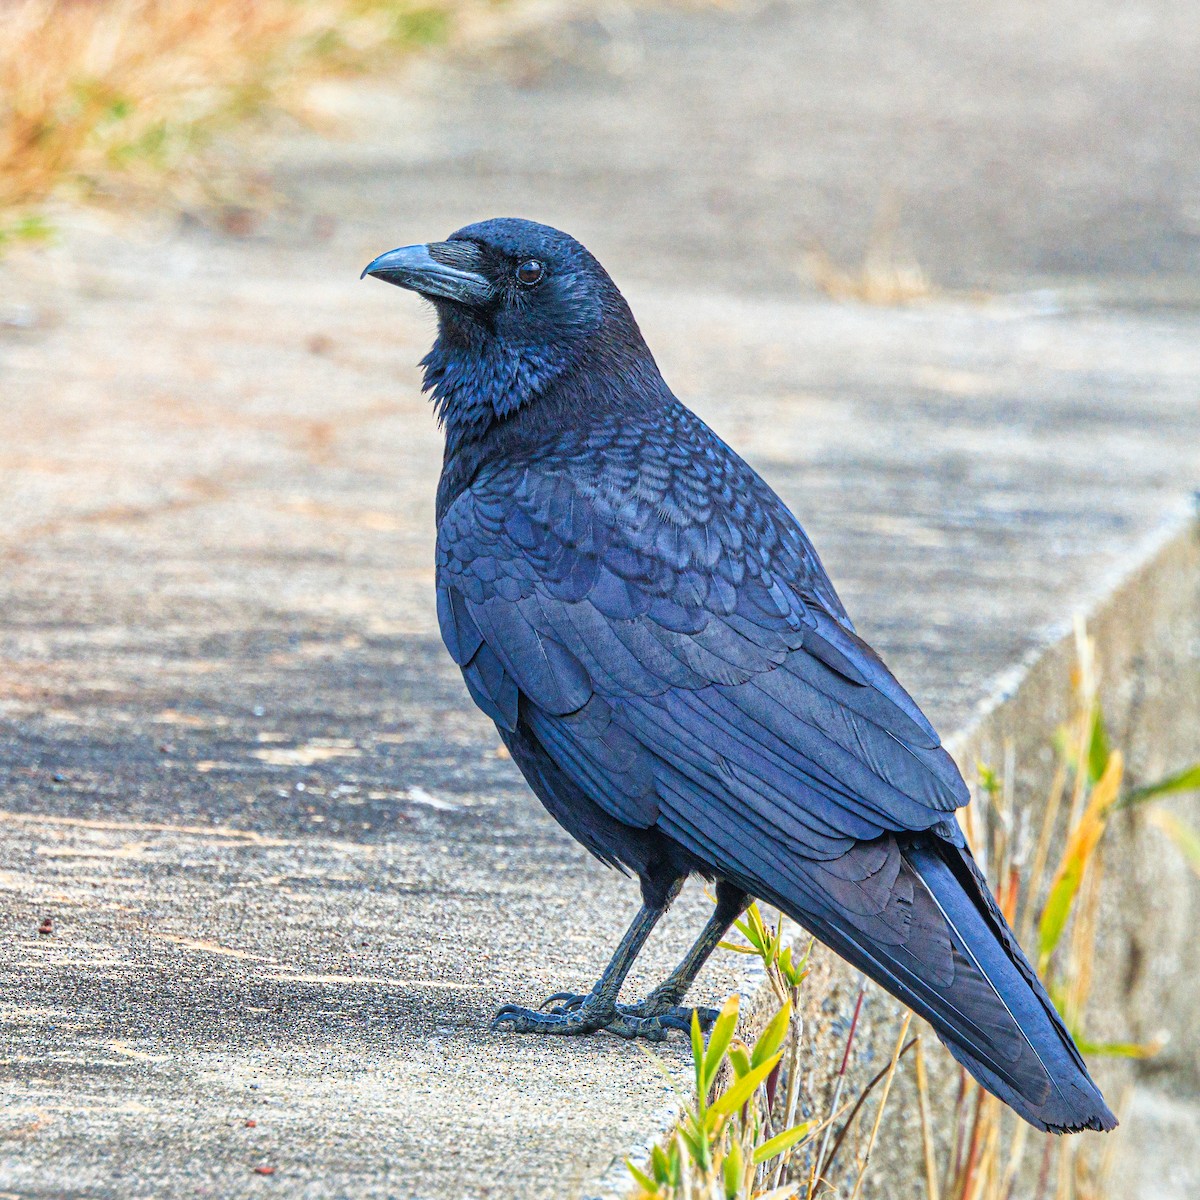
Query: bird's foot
(586, 1016)
(654, 1028)
(653, 1017)
(650, 1018)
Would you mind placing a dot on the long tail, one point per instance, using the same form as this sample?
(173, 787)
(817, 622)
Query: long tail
(917, 917)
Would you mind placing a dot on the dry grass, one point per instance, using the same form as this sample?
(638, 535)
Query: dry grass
(881, 280)
(119, 98)
(888, 276)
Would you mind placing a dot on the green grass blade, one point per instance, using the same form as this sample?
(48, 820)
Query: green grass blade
(781, 1142)
(1057, 911)
(737, 949)
(698, 1062)
(1187, 780)
(731, 1171)
(730, 1101)
(771, 1038)
(642, 1179)
(739, 1060)
(1119, 1049)
(1098, 747)
(719, 1039)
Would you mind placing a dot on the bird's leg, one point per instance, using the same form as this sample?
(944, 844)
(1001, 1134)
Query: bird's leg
(585, 1014)
(661, 1009)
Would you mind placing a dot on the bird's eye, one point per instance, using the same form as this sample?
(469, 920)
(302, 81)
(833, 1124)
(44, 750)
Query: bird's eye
(530, 272)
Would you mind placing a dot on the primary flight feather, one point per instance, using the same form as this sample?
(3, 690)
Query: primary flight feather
(672, 670)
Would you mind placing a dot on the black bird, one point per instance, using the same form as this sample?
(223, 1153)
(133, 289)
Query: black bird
(673, 672)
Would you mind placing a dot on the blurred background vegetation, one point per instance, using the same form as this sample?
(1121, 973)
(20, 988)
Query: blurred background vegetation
(119, 100)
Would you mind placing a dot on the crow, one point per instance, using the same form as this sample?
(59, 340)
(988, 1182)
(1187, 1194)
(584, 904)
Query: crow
(672, 671)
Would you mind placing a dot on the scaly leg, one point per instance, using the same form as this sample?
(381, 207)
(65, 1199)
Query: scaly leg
(661, 1010)
(598, 1008)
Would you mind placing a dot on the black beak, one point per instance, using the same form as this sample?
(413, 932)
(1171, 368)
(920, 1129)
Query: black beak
(445, 270)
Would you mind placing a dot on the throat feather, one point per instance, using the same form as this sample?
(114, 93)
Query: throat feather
(473, 387)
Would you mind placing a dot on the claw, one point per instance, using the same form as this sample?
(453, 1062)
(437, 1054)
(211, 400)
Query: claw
(673, 1021)
(509, 1012)
(570, 1000)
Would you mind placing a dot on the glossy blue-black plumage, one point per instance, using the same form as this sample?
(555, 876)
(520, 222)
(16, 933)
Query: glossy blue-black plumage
(661, 649)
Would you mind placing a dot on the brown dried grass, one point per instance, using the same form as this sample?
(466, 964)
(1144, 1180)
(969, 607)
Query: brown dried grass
(888, 277)
(120, 97)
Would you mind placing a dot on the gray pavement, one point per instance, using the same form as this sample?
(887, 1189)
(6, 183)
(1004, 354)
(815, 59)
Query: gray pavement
(288, 871)
(1014, 144)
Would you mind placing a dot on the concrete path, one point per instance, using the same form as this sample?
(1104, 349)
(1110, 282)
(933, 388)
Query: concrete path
(288, 873)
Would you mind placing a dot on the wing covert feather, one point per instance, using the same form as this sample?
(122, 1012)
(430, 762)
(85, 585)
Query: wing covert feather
(664, 627)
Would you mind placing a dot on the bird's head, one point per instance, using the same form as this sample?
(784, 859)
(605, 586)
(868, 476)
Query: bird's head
(520, 307)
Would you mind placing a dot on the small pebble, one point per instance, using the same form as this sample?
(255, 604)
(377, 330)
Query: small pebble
(47, 926)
